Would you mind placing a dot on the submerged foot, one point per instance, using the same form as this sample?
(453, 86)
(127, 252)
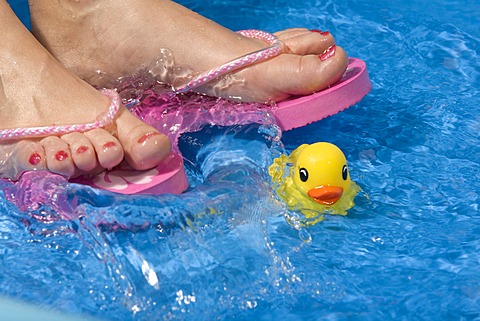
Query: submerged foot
(118, 38)
(36, 90)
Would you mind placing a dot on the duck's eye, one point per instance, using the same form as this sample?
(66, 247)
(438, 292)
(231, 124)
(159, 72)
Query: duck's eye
(344, 172)
(303, 174)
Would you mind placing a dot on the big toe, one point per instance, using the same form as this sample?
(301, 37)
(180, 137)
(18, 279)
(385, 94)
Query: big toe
(143, 145)
(301, 41)
(315, 72)
(291, 74)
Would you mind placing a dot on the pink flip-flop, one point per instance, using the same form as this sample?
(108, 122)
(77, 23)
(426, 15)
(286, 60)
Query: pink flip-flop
(301, 111)
(169, 176)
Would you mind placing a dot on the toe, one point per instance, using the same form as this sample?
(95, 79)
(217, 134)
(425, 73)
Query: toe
(291, 74)
(108, 149)
(306, 42)
(82, 151)
(19, 157)
(315, 72)
(58, 157)
(31, 155)
(144, 146)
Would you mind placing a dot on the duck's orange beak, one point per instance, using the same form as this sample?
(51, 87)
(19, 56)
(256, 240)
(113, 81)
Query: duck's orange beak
(326, 195)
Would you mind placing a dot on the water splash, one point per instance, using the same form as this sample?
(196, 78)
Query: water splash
(232, 197)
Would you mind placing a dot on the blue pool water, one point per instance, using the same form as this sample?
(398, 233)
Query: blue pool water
(408, 250)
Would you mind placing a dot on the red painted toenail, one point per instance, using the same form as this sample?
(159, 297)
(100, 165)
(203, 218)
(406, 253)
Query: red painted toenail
(330, 52)
(82, 149)
(109, 145)
(323, 33)
(35, 159)
(144, 138)
(61, 155)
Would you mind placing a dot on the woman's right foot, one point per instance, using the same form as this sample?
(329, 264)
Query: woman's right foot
(116, 38)
(36, 90)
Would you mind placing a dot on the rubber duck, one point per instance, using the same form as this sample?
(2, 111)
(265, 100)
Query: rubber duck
(314, 180)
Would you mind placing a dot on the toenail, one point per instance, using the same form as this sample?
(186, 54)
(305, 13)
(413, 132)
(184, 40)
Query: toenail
(323, 33)
(330, 52)
(109, 145)
(35, 159)
(82, 149)
(61, 155)
(144, 138)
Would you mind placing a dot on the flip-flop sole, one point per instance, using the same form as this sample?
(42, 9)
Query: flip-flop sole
(301, 111)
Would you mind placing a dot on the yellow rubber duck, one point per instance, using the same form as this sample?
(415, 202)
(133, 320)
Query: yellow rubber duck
(314, 180)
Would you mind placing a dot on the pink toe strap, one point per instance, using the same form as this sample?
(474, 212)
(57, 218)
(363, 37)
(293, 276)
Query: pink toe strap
(274, 49)
(102, 121)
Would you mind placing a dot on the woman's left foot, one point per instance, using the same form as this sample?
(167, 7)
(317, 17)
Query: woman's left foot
(117, 38)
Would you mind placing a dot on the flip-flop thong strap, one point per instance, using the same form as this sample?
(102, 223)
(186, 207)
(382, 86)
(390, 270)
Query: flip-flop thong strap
(274, 49)
(102, 121)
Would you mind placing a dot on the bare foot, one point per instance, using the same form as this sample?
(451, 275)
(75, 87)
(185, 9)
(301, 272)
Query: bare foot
(119, 37)
(36, 90)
